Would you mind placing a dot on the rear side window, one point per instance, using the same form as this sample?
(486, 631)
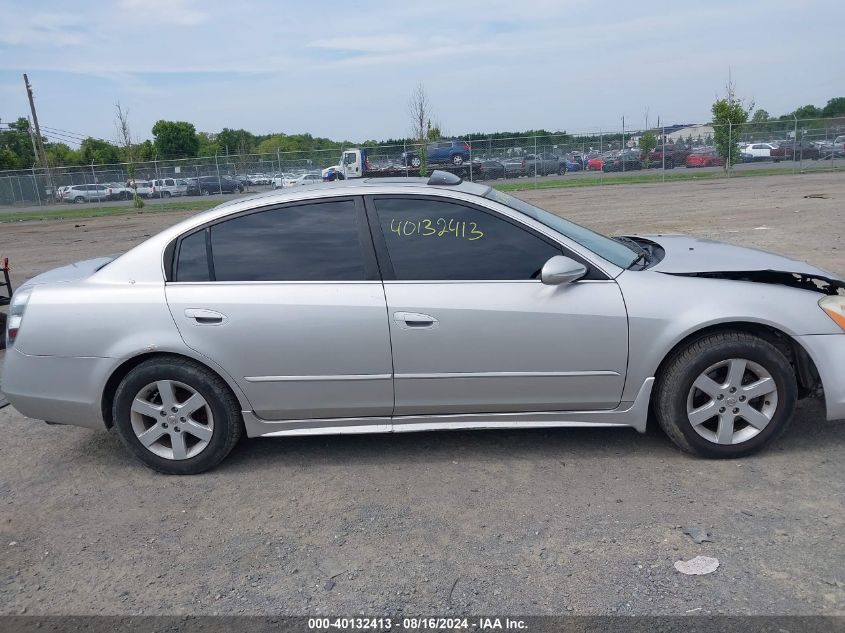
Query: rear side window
(309, 242)
(434, 240)
(192, 262)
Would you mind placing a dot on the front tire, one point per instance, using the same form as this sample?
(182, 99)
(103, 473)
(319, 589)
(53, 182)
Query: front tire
(416, 162)
(176, 416)
(457, 160)
(725, 395)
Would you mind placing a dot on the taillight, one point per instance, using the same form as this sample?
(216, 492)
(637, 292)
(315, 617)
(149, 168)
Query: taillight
(16, 310)
(466, 146)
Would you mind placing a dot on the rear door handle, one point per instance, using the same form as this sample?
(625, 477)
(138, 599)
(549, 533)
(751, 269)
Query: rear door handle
(205, 317)
(414, 320)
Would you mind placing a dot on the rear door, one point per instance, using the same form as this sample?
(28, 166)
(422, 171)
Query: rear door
(289, 302)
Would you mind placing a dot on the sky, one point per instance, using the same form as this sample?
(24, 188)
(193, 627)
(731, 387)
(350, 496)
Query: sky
(346, 70)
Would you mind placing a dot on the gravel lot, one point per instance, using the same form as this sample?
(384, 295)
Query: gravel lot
(508, 522)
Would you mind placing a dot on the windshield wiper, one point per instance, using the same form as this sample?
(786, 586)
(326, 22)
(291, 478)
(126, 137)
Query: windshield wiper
(642, 254)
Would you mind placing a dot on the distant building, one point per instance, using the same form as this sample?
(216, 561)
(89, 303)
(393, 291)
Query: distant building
(683, 133)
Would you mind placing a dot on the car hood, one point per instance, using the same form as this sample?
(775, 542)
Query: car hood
(695, 257)
(71, 272)
(685, 254)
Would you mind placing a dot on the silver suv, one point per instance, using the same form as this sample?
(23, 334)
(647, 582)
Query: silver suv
(83, 193)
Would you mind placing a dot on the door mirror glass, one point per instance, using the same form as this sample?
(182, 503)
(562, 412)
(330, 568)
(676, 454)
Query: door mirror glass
(561, 270)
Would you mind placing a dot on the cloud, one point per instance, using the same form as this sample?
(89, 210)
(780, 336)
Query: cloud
(165, 13)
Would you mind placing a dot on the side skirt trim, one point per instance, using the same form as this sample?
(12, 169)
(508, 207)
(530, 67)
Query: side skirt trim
(631, 414)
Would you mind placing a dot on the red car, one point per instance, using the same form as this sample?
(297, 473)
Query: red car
(595, 164)
(704, 159)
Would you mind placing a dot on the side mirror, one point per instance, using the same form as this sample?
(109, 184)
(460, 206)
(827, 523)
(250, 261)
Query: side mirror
(561, 270)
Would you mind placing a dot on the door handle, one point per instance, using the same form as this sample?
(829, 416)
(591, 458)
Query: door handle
(414, 320)
(205, 317)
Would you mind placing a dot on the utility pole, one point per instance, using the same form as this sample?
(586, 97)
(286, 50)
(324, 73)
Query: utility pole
(39, 141)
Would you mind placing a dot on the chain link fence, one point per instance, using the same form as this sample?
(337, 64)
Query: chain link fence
(796, 146)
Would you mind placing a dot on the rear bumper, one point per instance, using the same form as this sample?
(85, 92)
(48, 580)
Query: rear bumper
(56, 389)
(828, 353)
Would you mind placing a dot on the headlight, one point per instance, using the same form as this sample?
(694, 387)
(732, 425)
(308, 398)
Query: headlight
(16, 310)
(834, 306)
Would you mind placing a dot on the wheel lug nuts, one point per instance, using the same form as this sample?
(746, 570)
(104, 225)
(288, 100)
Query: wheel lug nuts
(163, 413)
(176, 428)
(181, 419)
(721, 396)
(742, 398)
(164, 425)
(721, 409)
(736, 410)
(174, 409)
(733, 389)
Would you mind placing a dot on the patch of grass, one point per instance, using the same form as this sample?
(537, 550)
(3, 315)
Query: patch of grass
(641, 178)
(72, 213)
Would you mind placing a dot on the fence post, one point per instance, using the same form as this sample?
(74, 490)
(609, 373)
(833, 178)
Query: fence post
(35, 185)
(217, 167)
(279, 158)
(731, 148)
(94, 176)
(795, 146)
(535, 162)
(601, 156)
(470, 161)
(663, 153)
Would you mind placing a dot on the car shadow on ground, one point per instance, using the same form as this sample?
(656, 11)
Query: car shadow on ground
(809, 431)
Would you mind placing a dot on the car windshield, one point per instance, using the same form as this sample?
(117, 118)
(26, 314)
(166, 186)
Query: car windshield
(606, 248)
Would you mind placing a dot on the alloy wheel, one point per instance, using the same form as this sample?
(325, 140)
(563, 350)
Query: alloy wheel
(172, 420)
(732, 401)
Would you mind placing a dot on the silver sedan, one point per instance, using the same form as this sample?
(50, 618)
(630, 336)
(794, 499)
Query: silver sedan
(408, 305)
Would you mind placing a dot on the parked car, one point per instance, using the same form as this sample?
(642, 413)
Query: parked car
(707, 158)
(543, 164)
(762, 151)
(596, 163)
(208, 185)
(575, 162)
(143, 187)
(83, 193)
(119, 191)
(257, 179)
(307, 179)
(283, 180)
(489, 170)
(624, 161)
(802, 150)
(675, 154)
(292, 314)
(168, 187)
(514, 167)
(456, 152)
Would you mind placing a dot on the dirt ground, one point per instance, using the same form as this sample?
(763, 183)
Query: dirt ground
(510, 522)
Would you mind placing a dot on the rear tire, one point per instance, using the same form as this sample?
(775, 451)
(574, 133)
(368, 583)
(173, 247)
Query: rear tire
(674, 402)
(457, 160)
(78, 200)
(416, 162)
(222, 416)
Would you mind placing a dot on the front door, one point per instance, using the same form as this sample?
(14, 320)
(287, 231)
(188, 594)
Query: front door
(288, 301)
(474, 330)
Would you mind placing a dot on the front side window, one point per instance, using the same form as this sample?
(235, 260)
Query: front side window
(606, 248)
(307, 242)
(435, 240)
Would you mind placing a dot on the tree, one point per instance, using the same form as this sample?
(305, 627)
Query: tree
(208, 145)
(16, 146)
(175, 139)
(648, 141)
(834, 107)
(61, 154)
(807, 112)
(760, 115)
(232, 141)
(420, 110)
(98, 152)
(729, 114)
(124, 138)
